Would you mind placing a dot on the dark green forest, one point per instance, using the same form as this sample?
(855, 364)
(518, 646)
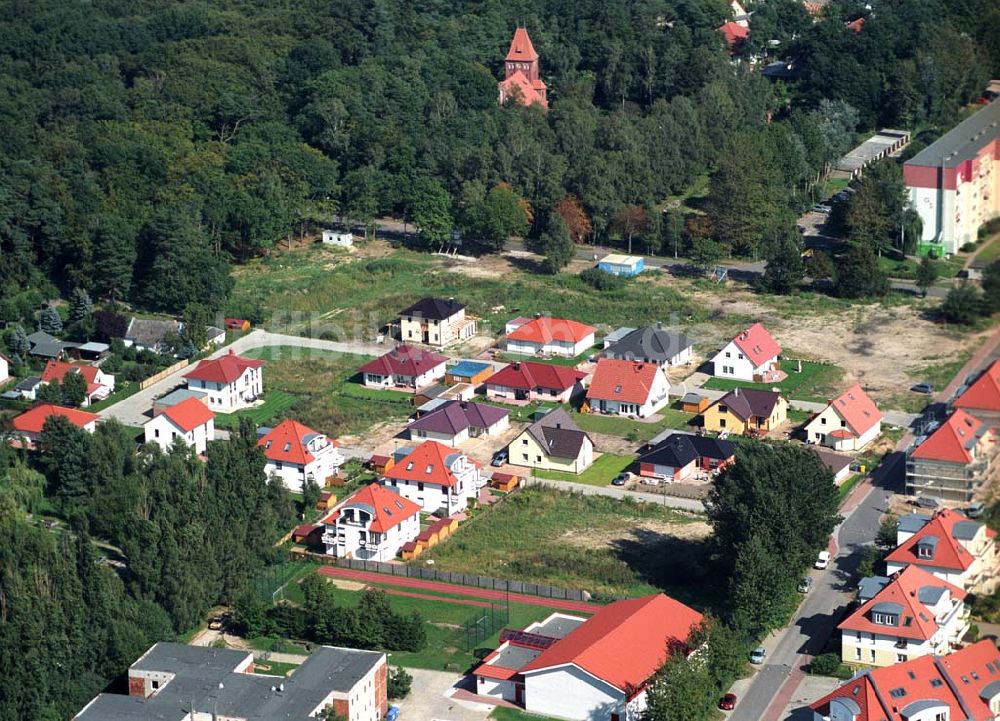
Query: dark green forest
(148, 145)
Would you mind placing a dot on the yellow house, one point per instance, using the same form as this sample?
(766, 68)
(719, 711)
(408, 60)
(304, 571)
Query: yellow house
(554, 443)
(746, 411)
(436, 321)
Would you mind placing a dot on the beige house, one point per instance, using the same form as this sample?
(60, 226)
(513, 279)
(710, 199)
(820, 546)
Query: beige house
(554, 443)
(436, 322)
(848, 423)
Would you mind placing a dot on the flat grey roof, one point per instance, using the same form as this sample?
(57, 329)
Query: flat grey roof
(964, 141)
(557, 626)
(516, 657)
(175, 397)
(871, 149)
(913, 522)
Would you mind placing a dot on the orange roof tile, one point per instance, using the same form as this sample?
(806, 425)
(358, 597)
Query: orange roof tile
(734, 33)
(916, 620)
(529, 94)
(954, 441)
(224, 369)
(530, 375)
(521, 47)
(984, 393)
(625, 642)
(387, 508)
(286, 443)
(57, 370)
(622, 380)
(546, 330)
(857, 409)
(756, 343)
(430, 462)
(189, 414)
(949, 553)
(33, 419)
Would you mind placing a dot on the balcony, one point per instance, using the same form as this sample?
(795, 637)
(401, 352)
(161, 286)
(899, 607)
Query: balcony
(900, 643)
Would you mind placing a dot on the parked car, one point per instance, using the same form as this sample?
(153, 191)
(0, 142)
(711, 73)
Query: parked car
(922, 388)
(823, 560)
(927, 502)
(621, 479)
(728, 702)
(821, 208)
(975, 510)
(500, 457)
(757, 655)
(806, 584)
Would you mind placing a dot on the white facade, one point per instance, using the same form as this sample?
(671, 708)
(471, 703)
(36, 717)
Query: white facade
(327, 458)
(162, 431)
(432, 496)
(363, 698)
(564, 348)
(730, 362)
(569, 692)
(820, 428)
(432, 375)
(334, 237)
(497, 688)
(4, 369)
(657, 399)
(350, 535)
(231, 397)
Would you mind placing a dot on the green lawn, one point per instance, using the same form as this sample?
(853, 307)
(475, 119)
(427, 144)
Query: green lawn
(939, 374)
(990, 251)
(816, 382)
(609, 547)
(632, 429)
(845, 488)
(798, 417)
(274, 668)
(600, 472)
(502, 713)
(907, 268)
(276, 402)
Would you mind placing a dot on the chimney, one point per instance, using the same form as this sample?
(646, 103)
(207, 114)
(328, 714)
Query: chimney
(537, 316)
(517, 365)
(736, 391)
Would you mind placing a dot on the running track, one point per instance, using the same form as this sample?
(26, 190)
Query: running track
(429, 597)
(382, 579)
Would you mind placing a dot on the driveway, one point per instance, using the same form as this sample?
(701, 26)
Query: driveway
(430, 699)
(136, 409)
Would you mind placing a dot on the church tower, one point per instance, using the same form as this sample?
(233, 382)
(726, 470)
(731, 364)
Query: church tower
(521, 67)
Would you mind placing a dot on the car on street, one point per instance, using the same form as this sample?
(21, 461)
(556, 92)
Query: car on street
(621, 479)
(821, 208)
(975, 510)
(822, 560)
(500, 457)
(728, 702)
(806, 584)
(922, 388)
(757, 655)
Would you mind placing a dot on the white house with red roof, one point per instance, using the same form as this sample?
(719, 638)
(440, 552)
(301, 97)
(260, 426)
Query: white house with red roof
(750, 356)
(522, 83)
(911, 613)
(849, 422)
(190, 420)
(627, 388)
(522, 382)
(962, 686)
(953, 461)
(99, 384)
(949, 545)
(551, 336)
(405, 367)
(982, 397)
(294, 452)
(372, 524)
(229, 382)
(4, 368)
(28, 426)
(593, 670)
(435, 477)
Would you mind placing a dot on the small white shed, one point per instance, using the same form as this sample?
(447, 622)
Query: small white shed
(336, 237)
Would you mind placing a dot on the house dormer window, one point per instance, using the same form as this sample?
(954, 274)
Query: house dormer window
(884, 619)
(925, 550)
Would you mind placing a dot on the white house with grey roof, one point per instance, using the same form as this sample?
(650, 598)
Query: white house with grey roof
(553, 443)
(176, 682)
(652, 344)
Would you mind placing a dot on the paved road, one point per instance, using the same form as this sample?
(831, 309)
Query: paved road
(683, 504)
(134, 410)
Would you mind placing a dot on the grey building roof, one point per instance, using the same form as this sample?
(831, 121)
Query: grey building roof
(963, 142)
(433, 308)
(990, 690)
(212, 332)
(150, 333)
(965, 530)
(616, 335)
(205, 678)
(94, 347)
(558, 626)
(558, 434)
(431, 405)
(872, 148)
(176, 396)
(655, 345)
(911, 710)
(516, 657)
(913, 522)
(28, 384)
(869, 587)
(47, 346)
(679, 449)
(453, 417)
(833, 461)
(887, 607)
(692, 397)
(930, 595)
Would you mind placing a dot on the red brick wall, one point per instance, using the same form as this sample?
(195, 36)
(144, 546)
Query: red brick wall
(136, 687)
(342, 707)
(381, 686)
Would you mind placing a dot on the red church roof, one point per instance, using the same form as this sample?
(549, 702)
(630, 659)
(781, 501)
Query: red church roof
(756, 343)
(984, 393)
(625, 642)
(33, 419)
(224, 369)
(954, 441)
(521, 47)
(529, 375)
(189, 414)
(528, 91)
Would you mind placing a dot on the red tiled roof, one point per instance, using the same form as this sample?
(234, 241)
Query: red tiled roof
(33, 419)
(428, 463)
(304, 529)
(546, 330)
(956, 681)
(57, 370)
(286, 443)
(954, 441)
(625, 642)
(857, 409)
(224, 369)
(528, 375)
(856, 25)
(756, 343)
(390, 509)
(528, 90)
(521, 47)
(916, 621)
(984, 393)
(622, 380)
(404, 360)
(948, 554)
(189, 414)
(734, 33)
